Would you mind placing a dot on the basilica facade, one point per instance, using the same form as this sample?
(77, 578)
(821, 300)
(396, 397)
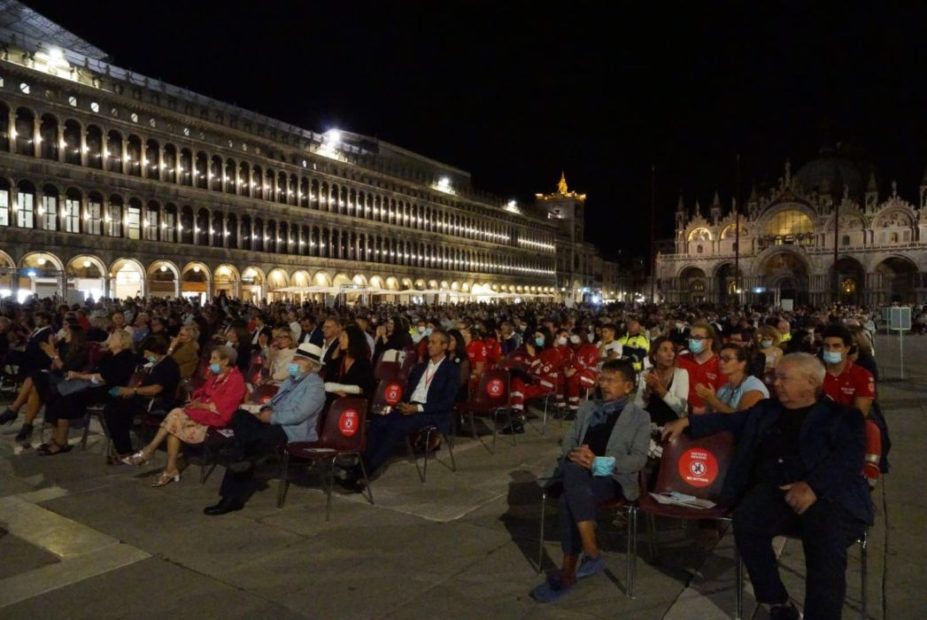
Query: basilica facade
(115, 184)
(821, 235)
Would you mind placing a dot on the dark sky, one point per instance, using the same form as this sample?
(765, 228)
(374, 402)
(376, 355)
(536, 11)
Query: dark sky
(515, 92)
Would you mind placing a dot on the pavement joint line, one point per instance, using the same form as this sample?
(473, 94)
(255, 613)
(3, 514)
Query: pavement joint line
(82, 551)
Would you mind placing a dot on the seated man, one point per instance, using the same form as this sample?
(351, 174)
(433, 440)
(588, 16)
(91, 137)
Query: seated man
(602, 456)
(431, 389)
(291, 415)
(796, 471)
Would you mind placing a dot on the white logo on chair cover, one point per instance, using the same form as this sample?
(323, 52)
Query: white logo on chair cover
(347, 423)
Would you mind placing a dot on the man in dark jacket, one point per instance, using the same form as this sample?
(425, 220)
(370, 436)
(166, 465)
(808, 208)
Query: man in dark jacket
(797, 470)
(428, 400)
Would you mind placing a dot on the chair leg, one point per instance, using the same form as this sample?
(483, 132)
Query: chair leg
(427, 452)
(83, 438)
(329, 482)
(544, 420)
(863, 572)
(204, 462)
(651, 535)
(450, 450)
(739, 579)
(632, 551)
(411, 450)
(541, 533)
(284, 481)
(367, 490)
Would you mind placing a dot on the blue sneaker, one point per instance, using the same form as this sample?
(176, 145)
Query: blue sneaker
(590, 566)
(552, 590)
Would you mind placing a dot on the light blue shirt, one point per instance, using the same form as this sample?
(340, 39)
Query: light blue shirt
(731, 397)
(296, 407)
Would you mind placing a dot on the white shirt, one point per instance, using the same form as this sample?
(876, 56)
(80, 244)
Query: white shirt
(420, 395)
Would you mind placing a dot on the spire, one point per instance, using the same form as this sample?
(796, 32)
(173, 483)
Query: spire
(872, 193)
(753, 196)
(717, 200)
(872, 186)
(680, 206)
(698, 209)
(562, 185)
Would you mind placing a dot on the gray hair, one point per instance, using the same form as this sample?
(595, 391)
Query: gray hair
(809, 365)
(227, 353)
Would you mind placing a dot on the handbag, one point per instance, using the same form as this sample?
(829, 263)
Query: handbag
(73, 386)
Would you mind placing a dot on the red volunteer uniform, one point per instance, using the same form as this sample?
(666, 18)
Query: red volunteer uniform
(707, 373)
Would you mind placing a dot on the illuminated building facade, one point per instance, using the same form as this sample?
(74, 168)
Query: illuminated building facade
(116, 184)
(787, 236)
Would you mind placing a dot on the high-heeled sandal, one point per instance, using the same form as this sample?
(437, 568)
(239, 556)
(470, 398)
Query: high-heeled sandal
(166, 478)
(138, 458)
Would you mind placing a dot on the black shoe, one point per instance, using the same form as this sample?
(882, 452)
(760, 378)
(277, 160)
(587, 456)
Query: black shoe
(784, 612)
(352, 485)
(8, 416)
(24, 435)
(517, 428)
(224, 506)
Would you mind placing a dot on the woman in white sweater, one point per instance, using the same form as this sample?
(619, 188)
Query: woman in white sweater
(663, 390)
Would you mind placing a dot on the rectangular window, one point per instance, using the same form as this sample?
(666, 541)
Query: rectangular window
(72, 215)
(151, 226)
(94, 218)
(114, 221)
(25, 210)
(133, 222)
(169, 228)
(50, 208)
(4, 207)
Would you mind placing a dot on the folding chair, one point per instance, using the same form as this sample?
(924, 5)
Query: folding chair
(96, 410)
(344, 433)
(695, 467)
(616, 504)
(490, 400)
(385, 369)
(425, 435)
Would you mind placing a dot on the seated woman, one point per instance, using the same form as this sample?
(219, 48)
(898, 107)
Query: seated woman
(213, 404)
(113, 371)
(160, 383)
(741, 391)
(70, 353)
(281, 356)
(457, 353)
(185, 349)
(602, 456)
(663, 389)
(349, 370)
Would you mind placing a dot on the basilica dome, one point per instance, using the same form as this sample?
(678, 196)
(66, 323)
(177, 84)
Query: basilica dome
(835, 171)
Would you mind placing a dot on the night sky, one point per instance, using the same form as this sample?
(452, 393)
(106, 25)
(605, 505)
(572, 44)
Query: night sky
(515, 92)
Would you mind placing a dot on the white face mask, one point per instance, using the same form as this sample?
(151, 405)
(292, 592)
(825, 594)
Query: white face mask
(575, 339)
(561, 341)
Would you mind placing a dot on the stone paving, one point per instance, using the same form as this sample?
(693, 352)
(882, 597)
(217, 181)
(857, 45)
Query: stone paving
(81, 539)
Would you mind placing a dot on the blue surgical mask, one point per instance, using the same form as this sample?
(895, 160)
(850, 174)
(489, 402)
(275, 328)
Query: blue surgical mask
(696, 346)
(214, 368)
(766, 344)
(833, 357)
(293, 369)
(539, 342)
(152, 358)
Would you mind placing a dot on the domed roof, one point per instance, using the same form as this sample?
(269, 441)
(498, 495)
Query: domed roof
(833, 171)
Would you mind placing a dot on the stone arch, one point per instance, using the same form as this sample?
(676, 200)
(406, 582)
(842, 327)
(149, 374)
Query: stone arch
(227, 278)
(899, 275)
(252, 283)
(163, 279)
(127, 279)
(87, 274)
(196, 281)
(851, 279)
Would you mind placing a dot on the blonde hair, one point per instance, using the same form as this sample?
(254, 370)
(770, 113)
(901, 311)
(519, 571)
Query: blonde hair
(768, 332)
(123, 337)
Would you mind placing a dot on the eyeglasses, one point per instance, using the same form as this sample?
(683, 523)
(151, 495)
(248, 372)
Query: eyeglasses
(727, 358)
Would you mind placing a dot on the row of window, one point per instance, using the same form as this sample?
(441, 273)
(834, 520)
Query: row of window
(90, 213)
(109, 150)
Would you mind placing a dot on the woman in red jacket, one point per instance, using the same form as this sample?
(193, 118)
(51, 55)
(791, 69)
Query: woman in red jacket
(211, 405)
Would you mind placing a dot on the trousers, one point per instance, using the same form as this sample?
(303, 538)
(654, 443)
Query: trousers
(825, 530)
(385, 432)
(252, 438)
(582, 493)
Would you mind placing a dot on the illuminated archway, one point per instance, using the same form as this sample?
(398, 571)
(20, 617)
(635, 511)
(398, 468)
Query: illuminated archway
(86, 275)
(163, 279)
(127, 279)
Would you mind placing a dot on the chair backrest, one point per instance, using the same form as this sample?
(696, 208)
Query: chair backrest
(137, 377)
(388, 394)
(696, 466)
(409, 360)
(493, 390)
(345, 427)
(386, 370)
(263, 393)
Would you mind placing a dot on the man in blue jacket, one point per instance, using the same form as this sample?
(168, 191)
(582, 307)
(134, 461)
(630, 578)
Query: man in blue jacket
(429, 400)
(797, 470)
(291, 415)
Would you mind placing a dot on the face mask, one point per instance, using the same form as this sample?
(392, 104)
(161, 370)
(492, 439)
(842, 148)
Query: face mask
(421, 329)
(539, 342)
(680, 327)
(833, 357)
(575, 339)
(293, 369)
(214, 368)
(561, 341)
(766, 344)
(696, 346)
(427, 331)
(152, 358)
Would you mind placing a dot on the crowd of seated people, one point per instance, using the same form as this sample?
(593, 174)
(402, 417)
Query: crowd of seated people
(195, 365)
